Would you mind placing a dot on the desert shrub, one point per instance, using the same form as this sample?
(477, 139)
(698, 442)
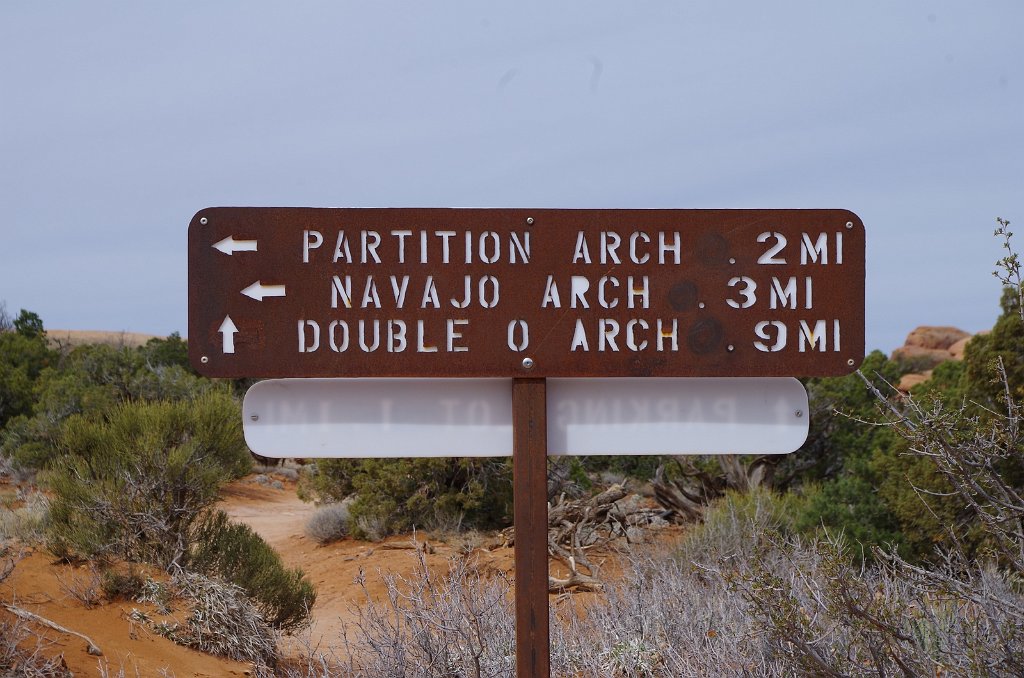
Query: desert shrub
(1005, 343)
(285, 472)
(329, 523)
(118, 584)
(967, 407)
(733, 524)
(131, 483)
(288, 473)
(29, 324)
(640, 467)
(853, 505)
(661, 618)
(395, 495)
(267, 481)
(167, 382)
(233, 552)
(373, 527)
(844, 463)
(824, 616)
(838, 405)
(567, 476)
(456, 623)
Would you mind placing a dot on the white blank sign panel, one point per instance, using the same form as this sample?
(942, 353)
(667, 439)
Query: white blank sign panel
(676, 416)
(473, 417)
(379, 417)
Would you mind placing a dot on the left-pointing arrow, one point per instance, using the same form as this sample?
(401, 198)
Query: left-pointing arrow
(258, 291)
(227, 330)
(229, 245)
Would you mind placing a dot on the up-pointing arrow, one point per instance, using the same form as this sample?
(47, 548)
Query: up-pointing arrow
(258, 291)
(227, 330)
(229, 245)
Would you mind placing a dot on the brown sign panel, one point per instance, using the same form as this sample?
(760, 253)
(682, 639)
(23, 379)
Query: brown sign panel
(302, 292)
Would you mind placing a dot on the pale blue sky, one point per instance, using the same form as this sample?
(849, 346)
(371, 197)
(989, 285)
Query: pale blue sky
(118, 121)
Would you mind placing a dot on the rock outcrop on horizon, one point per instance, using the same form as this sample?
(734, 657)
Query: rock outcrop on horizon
(925, 348)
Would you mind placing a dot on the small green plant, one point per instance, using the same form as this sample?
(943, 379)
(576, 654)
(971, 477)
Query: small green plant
(122, 584)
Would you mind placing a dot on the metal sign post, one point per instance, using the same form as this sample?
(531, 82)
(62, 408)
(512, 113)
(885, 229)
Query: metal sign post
(530, 496)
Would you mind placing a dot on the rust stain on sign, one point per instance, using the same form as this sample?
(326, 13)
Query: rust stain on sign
(304, 292)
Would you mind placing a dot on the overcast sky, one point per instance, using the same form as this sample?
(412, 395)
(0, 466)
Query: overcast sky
(118, 121)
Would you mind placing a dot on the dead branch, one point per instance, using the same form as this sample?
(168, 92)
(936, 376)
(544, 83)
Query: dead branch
(93, 649)
(577, 526)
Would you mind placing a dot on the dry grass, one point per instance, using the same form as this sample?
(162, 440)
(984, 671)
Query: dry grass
(219, 619)
(85, 587)
(27, 522)
(329, 523)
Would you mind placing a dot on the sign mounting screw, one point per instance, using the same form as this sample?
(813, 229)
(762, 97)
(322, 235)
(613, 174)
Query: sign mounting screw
(850, 362)
(730, 348)
(529, 221)
(255, 417)
(799, 413)
(203, 221)
(849, 224)
(204, 359)
(528, 363)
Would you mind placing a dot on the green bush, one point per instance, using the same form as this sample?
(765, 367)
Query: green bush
(22, 359)
(233, 552)
(172, 351)
(852, 506)
(131, 483)
(91, 380)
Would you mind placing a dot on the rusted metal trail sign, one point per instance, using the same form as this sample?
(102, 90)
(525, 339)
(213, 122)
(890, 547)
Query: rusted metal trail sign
(296, 292)
(525, 295)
